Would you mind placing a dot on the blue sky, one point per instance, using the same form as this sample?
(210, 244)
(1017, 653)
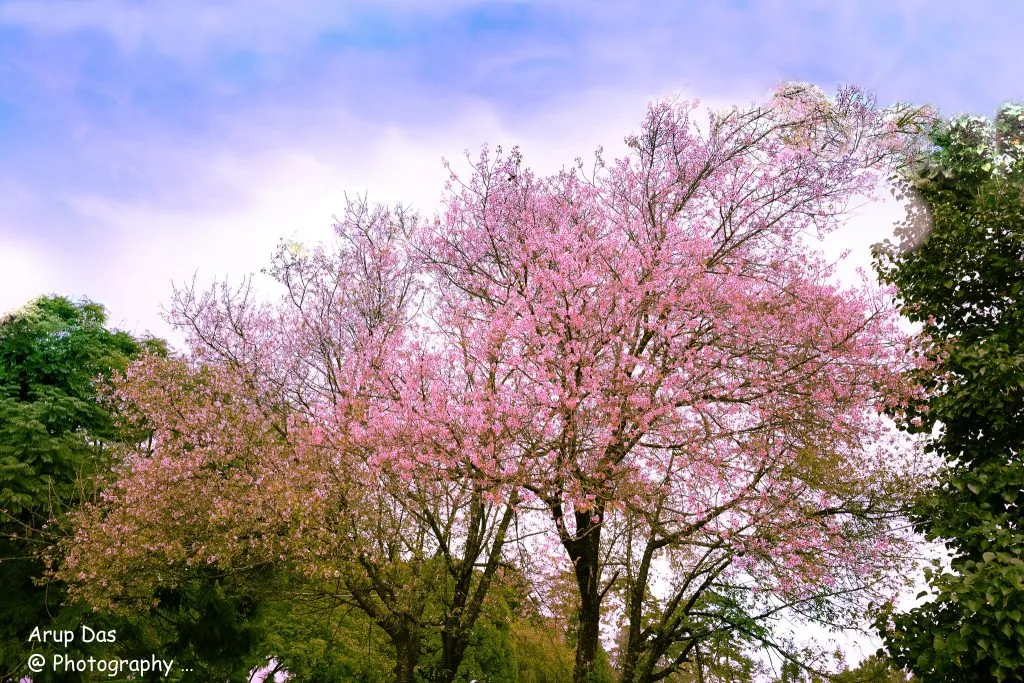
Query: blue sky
(147, 141)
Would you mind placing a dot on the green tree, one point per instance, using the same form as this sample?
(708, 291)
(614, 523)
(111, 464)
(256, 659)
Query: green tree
(874, 669)
(55, 438)
(959, 270)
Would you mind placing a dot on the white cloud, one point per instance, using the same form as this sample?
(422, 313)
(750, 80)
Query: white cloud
(242, 202)
(25, 274)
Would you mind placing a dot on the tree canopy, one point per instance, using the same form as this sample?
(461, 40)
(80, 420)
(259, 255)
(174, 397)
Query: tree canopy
(959, 271)
(55, 438)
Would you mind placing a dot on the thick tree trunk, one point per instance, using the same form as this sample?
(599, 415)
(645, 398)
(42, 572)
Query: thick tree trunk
(588, 635)
(406, 640)
(454, 642)
(584, 551)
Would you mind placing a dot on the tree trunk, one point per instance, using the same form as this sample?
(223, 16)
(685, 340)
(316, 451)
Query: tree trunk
(584, 551)
(636, 646)
(467, 600)
(453, 649)
(406, 639)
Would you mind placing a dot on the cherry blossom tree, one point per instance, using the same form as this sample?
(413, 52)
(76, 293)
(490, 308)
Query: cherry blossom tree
(667, 347)
(295, 434)
(650, 357)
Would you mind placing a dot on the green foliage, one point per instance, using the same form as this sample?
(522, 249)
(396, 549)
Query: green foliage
(512, 642)
(222, 626)
(54, 439)
(541, 654)
(52, 425)
(960, 272)
(212, 626)
(317, 638)
(874, 669)
(321, 642)
(490, 656)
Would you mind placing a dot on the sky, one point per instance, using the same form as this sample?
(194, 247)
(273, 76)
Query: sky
(147, 143)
